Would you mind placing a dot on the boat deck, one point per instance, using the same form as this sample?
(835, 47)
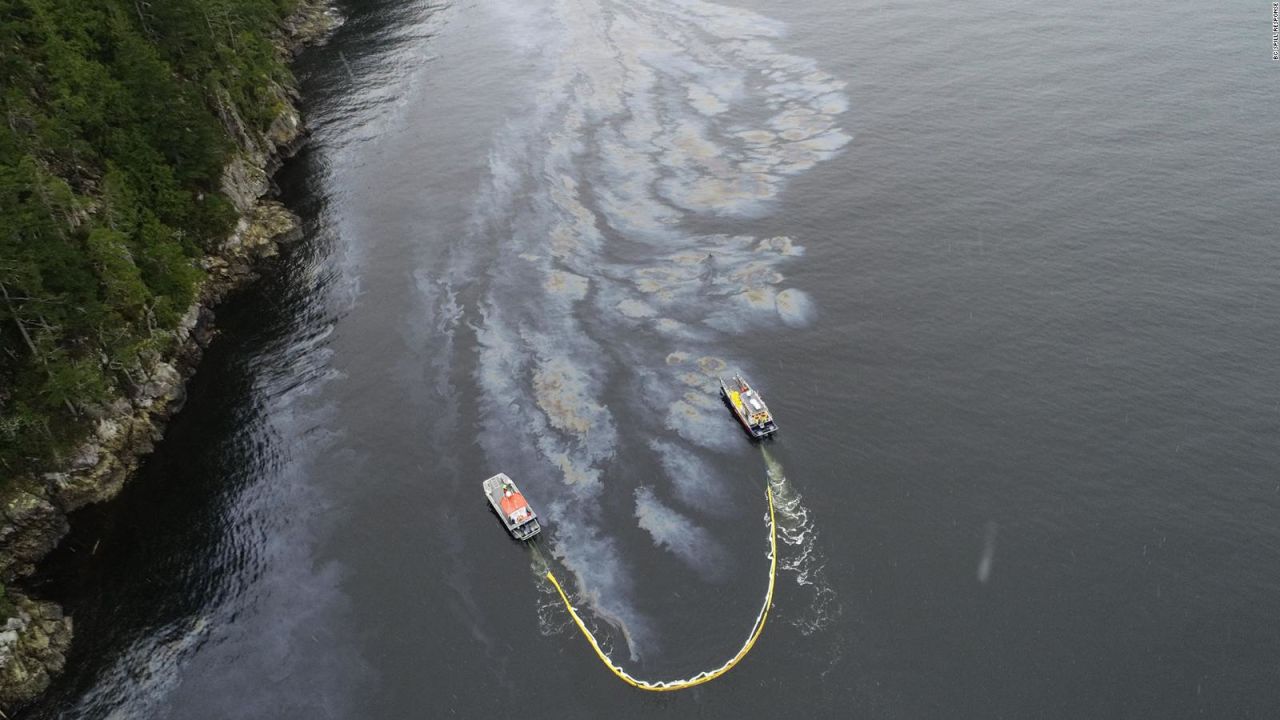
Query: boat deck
(748, 407)
(493, 491)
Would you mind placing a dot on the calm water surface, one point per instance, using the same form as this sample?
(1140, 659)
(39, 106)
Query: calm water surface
(1007, 273)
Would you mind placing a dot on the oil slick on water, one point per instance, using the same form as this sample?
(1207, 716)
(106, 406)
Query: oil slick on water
(651, 115)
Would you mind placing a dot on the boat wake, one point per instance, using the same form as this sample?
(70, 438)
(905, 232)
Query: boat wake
(802, 558)
(787, 519)
(551, 621)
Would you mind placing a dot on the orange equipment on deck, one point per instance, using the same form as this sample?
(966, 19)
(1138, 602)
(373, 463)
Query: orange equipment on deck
(512, 503)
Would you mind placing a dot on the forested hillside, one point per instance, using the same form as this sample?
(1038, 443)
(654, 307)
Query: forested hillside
(111, 149)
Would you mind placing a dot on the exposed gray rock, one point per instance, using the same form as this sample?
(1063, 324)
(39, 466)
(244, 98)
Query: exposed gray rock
(33, 648)
(31, 529)
(310, 24)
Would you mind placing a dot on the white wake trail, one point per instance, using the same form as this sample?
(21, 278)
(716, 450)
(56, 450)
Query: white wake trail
(801, 557)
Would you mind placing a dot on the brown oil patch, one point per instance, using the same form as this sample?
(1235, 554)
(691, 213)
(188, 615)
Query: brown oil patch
(756, 275)
(757, 137)
(636, 310)
(684, 408)
(689, 258)
(573, 475)
(759, 298)
(794, 307)
(711, 365)
(671, 327)
(781, 244)
(560, 397)
(704, 101)
(564, 241)
(559, 282)
(697, 400)
(656, 281)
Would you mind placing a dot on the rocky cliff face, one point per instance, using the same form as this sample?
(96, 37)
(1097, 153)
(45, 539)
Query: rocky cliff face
(33, 645)
(35, 636)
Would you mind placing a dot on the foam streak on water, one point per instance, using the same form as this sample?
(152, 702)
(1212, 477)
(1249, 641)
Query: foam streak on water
(802, 558)
(650, 114)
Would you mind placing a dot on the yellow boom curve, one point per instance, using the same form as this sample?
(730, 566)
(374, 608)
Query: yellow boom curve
(706, 675)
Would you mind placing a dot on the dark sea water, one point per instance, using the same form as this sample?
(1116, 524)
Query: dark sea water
(1007, 273)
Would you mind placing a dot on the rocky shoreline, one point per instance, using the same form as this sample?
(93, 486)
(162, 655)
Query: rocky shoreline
(33, 510)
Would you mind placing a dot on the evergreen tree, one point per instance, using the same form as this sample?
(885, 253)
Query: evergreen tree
(112, 144)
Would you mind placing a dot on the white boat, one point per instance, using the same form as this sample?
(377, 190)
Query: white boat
(516, 512)
(747, 405)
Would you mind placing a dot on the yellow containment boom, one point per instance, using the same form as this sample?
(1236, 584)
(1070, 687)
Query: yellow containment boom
(706, 675)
